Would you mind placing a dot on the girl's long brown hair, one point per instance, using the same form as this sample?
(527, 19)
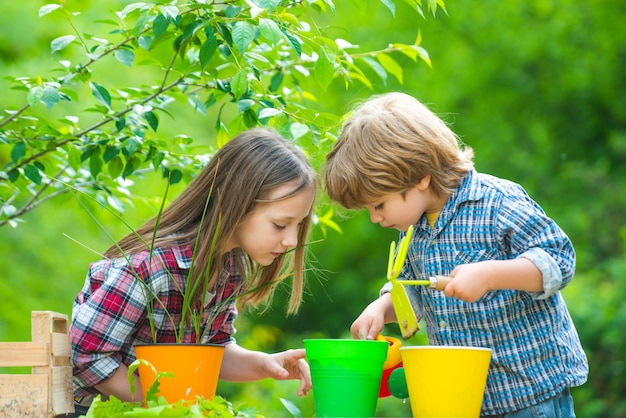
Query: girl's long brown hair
(240, 176)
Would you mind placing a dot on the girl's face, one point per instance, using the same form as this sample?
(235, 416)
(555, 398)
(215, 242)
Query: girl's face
(399, 211)
(272, 228)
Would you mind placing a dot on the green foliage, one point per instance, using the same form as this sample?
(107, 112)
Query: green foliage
(249, 62)
(535, 87)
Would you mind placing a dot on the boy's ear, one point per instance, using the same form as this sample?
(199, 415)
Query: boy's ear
(424, 183)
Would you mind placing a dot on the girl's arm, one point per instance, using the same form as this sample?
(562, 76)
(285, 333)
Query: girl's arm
(241, 365)
(117, 385)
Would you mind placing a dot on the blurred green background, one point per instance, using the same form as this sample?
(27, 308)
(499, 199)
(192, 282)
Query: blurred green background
(537, 88)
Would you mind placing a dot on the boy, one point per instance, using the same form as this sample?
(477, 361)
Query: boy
(507, 259)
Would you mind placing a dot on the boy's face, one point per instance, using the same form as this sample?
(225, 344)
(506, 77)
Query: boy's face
(398, 211)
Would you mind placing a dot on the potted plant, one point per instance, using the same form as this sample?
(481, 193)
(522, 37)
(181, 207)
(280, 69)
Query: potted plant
(177, 370)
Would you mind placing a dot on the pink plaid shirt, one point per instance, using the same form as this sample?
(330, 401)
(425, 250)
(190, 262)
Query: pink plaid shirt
(110, 314)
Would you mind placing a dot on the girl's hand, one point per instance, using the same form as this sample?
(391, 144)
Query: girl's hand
(373, 318)
(290, 364)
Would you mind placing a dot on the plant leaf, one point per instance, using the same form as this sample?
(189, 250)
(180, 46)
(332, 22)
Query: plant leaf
(32, 173)
(239, 84)
(61, 43)
(101, 94)
(243, 35)
(48, 8)
(324, 71)
(125, 56)
(270, 30)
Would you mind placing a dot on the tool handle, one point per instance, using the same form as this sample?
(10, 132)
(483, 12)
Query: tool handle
(439, 282)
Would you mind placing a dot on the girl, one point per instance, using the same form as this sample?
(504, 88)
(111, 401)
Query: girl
(256, 196)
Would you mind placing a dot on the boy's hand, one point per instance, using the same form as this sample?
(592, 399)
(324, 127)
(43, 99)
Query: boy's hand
(468, 282)
(373, 318)
(471, 281)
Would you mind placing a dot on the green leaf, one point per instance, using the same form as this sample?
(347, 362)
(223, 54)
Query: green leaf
(61, 43)
(109, 153)
(159, 26)
(32, 173)
(18, 152)
(120, 123)
(50, 96)
(293, 41)
(244, 104)
(270, 31)
(131, 146)
(101, 94)
(390, 5)
(175, 176)
(378, 69)
(239, 84)
(115, 167)
(269, 112)
(125, 56)
(95, 163)
(276, 81)
(391, 66)
(152, 120)
(140, 24)
(324, 71)
(34, 96)
(291, 407)
(14, 175)
(243, 35)
(48, 8)
(267, 4)
(208, 47)
(298, 130)
(74, 157)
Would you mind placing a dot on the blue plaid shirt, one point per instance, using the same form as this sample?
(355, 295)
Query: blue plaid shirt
(536, 352)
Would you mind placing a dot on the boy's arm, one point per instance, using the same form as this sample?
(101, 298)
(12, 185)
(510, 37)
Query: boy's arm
(471, 281)
(373, 318)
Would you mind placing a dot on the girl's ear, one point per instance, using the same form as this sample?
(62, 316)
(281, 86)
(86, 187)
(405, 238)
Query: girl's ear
(424, 183)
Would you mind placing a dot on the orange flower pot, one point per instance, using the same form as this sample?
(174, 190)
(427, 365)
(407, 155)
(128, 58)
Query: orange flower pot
(196, 369)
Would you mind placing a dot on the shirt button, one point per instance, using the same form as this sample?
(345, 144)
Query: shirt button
(442, 324)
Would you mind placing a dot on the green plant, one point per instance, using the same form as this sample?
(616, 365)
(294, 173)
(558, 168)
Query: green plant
(157, 406)
(249, 62)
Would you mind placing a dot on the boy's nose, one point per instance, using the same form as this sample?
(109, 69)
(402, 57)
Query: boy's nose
(374, 217)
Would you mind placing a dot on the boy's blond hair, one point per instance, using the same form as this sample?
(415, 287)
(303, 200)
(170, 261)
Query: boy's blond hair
(388, 144)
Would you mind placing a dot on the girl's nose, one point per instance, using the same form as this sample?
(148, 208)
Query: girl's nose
(290, 239)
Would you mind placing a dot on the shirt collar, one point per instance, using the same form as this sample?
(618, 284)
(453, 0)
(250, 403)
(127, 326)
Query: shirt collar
(183, 255)
(469, 189)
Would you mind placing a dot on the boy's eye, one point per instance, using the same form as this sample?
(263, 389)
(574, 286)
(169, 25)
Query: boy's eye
(379, 206)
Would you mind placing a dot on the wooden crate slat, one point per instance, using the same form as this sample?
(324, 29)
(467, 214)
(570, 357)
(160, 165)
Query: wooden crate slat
(62, 399)
(47, 391)
(24, 354)
(23, 396)
(61, 349)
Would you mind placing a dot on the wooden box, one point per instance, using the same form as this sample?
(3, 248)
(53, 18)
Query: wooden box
(47, 391)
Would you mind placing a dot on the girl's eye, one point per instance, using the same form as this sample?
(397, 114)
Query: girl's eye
(279, 227)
